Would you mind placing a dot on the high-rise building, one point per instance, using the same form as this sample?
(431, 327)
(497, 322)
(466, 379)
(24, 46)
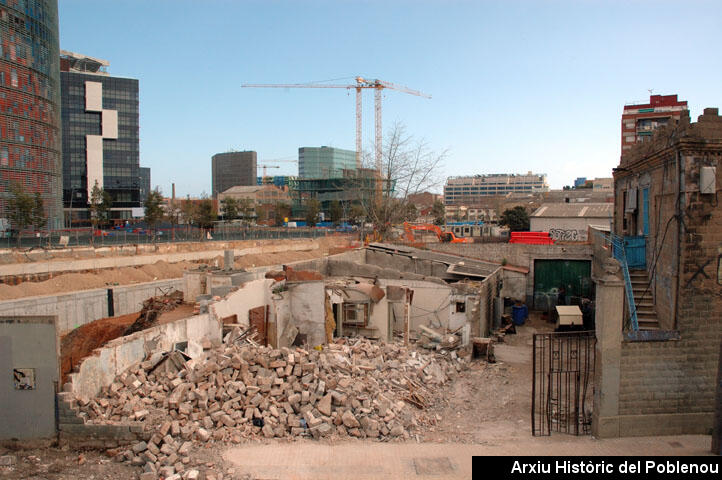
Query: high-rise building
(144, 182)
(639, 121)
(231, 169)
(100, 136)
(325, 162)
(30, 104)
(468, 190)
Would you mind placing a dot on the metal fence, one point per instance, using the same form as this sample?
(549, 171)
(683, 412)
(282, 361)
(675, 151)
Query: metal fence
(563, 383)
(99, 238)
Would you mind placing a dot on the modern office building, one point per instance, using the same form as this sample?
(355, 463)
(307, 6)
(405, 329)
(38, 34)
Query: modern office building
(325, 162)
(144, 182)
(469, 190)
(100, 137)
(639, 121)
(30, 104)
(232, 169)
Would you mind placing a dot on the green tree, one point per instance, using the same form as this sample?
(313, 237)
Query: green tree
(313, 208)
(206, 214)
(281, 211)
(38, 216)
(229, 208)
(335, 212)
(517, 219)
(100, 204)
(438, 211)
(247, 209)
(154, 210)
(20, 209)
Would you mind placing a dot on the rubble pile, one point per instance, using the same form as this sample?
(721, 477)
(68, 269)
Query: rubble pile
(361, 389)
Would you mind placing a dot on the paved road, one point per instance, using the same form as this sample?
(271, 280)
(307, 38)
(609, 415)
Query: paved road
(373, 460)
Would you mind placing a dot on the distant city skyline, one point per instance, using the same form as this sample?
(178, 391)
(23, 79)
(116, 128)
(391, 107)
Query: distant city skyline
(516, 86)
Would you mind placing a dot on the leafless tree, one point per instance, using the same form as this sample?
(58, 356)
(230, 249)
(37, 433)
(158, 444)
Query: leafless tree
(408, 166)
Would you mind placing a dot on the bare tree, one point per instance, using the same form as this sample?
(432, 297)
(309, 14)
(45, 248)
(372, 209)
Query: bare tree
(409, 166)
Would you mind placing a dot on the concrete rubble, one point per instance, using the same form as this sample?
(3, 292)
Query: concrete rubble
(356, 388)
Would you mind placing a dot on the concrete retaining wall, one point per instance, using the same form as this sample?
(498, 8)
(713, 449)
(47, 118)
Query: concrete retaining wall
(106, 363)
(78, 308)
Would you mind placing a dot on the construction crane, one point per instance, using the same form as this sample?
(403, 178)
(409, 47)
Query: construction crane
(361, 83)
(265, 166)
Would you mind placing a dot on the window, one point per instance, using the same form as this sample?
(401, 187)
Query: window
(355, 314)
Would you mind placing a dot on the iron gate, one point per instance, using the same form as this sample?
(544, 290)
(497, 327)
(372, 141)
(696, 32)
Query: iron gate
(563, 383)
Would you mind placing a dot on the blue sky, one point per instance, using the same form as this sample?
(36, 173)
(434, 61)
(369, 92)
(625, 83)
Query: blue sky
(516, 85)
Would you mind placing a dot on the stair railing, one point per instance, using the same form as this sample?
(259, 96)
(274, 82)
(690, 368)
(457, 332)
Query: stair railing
(619, 254)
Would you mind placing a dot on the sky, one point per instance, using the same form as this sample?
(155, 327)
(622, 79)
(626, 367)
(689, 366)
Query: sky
(516, 86)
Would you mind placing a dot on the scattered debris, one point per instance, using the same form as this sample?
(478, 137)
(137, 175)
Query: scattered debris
(356, 388)
(153, 308)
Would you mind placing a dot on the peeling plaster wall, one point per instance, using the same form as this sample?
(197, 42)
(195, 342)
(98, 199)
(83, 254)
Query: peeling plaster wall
(430, 306)
(249, 295)
(308, 311)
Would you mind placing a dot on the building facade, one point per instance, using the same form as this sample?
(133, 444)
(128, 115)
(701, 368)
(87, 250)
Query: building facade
(30, 104)
(231, 169)
(101, 144)
(639, 121)
(667, 210)
(325, 162)
(470, 190)
(144, 182)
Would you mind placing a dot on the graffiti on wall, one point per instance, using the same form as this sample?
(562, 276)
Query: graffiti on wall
(568, 235)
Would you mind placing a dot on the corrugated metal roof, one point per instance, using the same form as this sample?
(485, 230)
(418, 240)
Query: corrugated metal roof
(565, 210)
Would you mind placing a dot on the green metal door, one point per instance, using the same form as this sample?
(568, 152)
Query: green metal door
(550, 275)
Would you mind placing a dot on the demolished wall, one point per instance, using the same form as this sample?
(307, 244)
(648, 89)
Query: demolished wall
(100, 369)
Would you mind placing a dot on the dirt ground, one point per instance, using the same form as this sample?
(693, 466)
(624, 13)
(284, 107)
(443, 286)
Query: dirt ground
(492, 400)
(69, 282)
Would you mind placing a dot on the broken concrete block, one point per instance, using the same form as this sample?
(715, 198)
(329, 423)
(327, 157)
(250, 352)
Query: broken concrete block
(203, 435)
(349, 420)
(324, 405)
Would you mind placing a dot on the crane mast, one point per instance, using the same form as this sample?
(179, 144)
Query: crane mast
(361, 83)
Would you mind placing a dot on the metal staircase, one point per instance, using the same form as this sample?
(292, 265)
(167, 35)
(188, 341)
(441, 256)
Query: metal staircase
(619, 254)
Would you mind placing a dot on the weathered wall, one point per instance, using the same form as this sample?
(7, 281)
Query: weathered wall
(308, 311)
(28, 342)
(568, 229)
(514, 284)
(669, 387)
(78, 308)
(101, 368)
(250, 295)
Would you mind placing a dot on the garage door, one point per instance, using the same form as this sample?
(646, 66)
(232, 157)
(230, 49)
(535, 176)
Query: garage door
(550, 275)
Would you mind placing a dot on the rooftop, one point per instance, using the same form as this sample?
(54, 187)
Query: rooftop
(78, 62)
(586, 210)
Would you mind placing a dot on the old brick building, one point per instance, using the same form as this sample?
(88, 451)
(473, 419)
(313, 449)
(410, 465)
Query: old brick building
(667, 209)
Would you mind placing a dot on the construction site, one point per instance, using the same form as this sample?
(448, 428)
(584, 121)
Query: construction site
(180, 362)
